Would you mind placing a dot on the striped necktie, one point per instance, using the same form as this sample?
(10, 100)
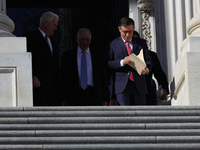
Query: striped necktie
(83, 71)
(129, 53)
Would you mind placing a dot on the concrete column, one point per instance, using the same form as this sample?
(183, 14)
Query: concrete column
(189, 10)
(134, 13)
(3, 6)
(160, 34)
(180, 24)
(196, 6)
(6, 24)
(170, 37)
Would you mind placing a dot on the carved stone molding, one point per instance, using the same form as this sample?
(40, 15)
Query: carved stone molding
(146, 29)
(145, 6)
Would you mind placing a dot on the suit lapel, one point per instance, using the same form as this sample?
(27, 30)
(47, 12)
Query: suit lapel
(41, 39)
(122, 47)
(43, 43)
(136, 46)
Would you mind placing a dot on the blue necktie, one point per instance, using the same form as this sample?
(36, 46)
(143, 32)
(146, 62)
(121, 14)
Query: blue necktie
(83, 71)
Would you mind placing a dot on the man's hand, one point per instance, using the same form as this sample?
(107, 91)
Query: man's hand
(36, 82)
(64, 103)
(143, 71)
(113, 102)
(164, 95)
(104, 103)
(127, 61)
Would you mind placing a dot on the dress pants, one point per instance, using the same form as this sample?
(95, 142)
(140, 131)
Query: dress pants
(152, 95)
(47, 96)
(87, 97)
(130, 96)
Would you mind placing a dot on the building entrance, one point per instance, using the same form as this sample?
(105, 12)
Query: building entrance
(101, 17)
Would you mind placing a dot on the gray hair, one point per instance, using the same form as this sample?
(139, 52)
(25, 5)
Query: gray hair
(49, 16)
(84, 29)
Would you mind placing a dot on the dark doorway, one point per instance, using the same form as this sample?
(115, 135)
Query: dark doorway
(101, 17)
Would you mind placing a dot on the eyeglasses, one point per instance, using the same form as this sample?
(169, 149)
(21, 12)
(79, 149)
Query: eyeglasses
(125, 32)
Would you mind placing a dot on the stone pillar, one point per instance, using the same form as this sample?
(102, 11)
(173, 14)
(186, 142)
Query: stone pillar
(6, 24)
(135, 14)
(3, 6)
(196, 6)
(187, 70)
(15, 65)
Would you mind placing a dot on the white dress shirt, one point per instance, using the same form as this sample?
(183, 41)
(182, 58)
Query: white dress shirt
(131, 46)
(89, 65)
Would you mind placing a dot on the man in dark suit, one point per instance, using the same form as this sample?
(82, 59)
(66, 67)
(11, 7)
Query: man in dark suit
(159, 75)
(161, 78)
(129, 87)
(45, 62)
(93, 89)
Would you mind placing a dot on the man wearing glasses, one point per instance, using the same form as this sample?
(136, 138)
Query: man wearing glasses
(128, 87)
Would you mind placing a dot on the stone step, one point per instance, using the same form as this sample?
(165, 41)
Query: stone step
(105, 113)
(168, 146)
(74, 126)
(100, 140)
(100, 126)
(100, 108)
(135, 119)
(100, 133)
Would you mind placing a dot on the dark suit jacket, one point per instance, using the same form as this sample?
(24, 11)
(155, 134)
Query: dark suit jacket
(158, 73)
(156, 68)
(44, 66)
(118, 52)
(70, 77)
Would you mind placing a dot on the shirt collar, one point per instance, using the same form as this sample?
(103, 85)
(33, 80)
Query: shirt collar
(42, 32)
(87, 50)
(125, 41)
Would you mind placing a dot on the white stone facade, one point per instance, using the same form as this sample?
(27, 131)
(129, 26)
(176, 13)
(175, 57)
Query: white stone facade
(175, 36)
(15, 65)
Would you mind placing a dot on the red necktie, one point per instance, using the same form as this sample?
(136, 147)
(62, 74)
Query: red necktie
(129, 53)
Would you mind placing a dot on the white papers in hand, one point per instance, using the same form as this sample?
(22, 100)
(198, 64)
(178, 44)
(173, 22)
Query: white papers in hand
(138, 61)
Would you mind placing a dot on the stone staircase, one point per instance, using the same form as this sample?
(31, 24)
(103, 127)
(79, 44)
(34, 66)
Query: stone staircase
(100, 128)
